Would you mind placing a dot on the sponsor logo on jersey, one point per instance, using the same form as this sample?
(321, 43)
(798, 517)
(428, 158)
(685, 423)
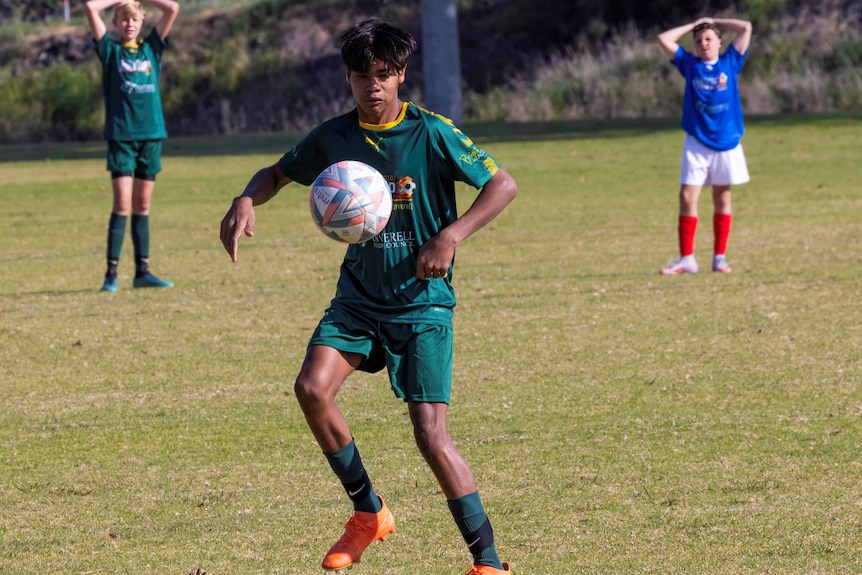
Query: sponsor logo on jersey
(401, 239)
(706, 109)
(135, 66)
(402, 191)
(474, 155)
(132, 88)
(707, 84)
(402, 195)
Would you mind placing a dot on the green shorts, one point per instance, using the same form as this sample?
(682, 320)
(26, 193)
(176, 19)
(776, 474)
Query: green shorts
(142, 157)
(417, 356)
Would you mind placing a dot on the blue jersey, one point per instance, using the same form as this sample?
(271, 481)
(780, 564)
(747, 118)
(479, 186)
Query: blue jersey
(421, 155)
(712, 108)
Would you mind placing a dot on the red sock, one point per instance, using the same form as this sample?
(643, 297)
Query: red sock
(721, 229)
(686, 228)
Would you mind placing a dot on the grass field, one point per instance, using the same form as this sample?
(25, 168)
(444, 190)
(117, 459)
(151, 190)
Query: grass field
(618, 422)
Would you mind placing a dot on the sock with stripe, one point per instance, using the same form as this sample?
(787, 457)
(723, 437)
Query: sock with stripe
(116, 235)
(141, 241)
(475, 527)
(347, 465)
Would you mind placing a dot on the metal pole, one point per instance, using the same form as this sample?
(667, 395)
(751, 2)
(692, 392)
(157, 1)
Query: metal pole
(441, 58)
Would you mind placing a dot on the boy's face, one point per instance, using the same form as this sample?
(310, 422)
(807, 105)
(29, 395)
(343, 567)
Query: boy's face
(376, 93)
(129, 24)
(707, 45)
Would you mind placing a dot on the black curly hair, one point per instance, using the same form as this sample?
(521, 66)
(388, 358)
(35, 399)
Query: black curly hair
(374, 40)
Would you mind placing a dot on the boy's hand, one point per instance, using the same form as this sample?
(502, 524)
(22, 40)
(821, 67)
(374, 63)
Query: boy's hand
(435, 257)
(238, 220)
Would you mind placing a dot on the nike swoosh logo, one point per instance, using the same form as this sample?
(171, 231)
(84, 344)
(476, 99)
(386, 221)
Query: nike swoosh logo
(469, 545)
(352, 493)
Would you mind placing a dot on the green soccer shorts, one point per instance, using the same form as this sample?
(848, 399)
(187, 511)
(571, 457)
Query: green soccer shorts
(418, 357)
(140, 157)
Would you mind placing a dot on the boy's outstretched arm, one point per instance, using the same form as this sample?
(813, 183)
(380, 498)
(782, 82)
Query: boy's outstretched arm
(742, 29)
(669, 39)
(437, 253)
(170, 10)
(94, 18)
(239, 219)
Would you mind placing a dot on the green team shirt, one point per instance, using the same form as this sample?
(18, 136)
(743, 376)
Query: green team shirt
(421, 155)
(130, 83)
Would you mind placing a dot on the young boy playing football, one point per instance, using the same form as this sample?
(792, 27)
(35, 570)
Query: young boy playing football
(134, 124)
(712, 120)
(394, 300)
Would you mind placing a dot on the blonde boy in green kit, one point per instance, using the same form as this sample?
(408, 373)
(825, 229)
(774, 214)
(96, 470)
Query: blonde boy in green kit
(134, 124)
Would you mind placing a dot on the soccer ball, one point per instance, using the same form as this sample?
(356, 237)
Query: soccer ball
(350, 202)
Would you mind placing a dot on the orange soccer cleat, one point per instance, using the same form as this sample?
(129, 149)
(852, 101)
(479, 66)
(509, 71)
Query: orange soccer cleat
(360, 531)
(485, 570)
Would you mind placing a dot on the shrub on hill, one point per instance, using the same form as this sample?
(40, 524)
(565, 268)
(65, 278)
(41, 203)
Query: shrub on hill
(273, 65)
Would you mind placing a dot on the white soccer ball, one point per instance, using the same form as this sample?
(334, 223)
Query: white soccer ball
(350, 202)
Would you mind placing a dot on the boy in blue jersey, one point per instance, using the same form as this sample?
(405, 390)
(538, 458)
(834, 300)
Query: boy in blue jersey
(712, 120)
(394, 299)
(134, 124)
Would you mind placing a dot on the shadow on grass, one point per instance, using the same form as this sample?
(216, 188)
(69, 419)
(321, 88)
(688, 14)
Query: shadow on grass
(277, 144)
(24, 297)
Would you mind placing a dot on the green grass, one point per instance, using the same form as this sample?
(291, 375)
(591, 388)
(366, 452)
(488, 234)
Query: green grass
(617, 421)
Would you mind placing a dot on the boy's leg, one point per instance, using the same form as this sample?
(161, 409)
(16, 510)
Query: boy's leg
(371, 520)
(121, 184)
(686, 230)
(148, 163)
(456, 479)
(323, 371)
(687, 225)
(321, 376)
(729, 168)
(721, 222)
(694, 173)
(419, 358)
(346, 463)
(116, 234)
(721, 217)
(141, 197)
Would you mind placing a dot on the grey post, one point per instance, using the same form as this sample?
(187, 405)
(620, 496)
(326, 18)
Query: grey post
(441, 58)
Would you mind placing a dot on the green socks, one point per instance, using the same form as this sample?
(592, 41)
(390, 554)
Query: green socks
(468, 512)
(470, 517)
(141, 241)
(347, 465)
(116, 234)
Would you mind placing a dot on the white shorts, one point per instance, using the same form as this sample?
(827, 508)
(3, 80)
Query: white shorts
(703, 166)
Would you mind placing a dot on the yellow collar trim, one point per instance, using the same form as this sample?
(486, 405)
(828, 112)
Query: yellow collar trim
(395, 122)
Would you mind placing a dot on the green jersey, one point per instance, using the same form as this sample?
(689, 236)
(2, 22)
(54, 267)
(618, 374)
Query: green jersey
(130, 82)
(421, 155)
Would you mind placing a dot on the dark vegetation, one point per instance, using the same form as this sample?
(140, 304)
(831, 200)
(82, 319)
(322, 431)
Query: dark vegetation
(273, 65)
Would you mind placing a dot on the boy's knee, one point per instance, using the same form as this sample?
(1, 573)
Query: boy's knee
(310, 391)
(430, 436)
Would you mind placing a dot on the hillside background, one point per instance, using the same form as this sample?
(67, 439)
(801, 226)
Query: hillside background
(273, 65)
